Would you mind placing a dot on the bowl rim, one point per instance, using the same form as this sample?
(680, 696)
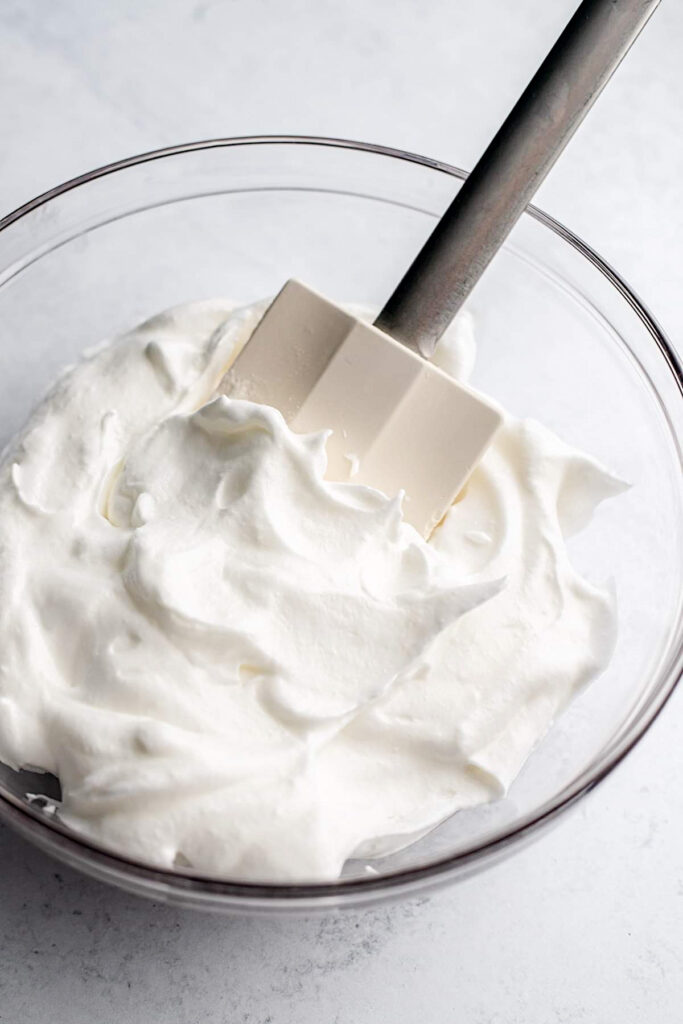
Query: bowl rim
(53, 836)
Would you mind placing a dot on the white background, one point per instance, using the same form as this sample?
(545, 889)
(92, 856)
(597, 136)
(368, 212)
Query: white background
(585, 926)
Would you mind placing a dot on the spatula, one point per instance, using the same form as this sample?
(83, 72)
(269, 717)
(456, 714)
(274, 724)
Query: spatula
(398, 422)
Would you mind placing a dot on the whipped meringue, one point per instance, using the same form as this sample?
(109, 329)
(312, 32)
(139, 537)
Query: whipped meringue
(233, 664)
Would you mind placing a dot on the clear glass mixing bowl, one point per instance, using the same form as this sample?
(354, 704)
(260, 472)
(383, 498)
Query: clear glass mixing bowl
(561, 338)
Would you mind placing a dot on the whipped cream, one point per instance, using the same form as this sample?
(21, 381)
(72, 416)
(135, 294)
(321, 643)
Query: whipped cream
(233, 664)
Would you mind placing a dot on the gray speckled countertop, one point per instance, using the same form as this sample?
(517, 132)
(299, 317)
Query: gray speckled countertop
(586, 926)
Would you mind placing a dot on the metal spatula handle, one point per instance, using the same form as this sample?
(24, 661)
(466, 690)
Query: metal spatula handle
(508, 174)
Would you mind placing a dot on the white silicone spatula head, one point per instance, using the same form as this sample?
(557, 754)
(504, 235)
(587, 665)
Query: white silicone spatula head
(396, 418)
(398, 422)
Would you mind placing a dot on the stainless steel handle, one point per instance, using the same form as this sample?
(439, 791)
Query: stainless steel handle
(515, 163)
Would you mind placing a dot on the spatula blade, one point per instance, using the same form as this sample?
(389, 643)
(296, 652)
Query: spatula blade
(398, 422)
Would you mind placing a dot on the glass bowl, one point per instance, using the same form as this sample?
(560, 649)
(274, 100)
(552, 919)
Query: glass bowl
(561, 338)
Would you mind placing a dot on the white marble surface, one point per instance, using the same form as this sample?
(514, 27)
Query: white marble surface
(585, 926)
